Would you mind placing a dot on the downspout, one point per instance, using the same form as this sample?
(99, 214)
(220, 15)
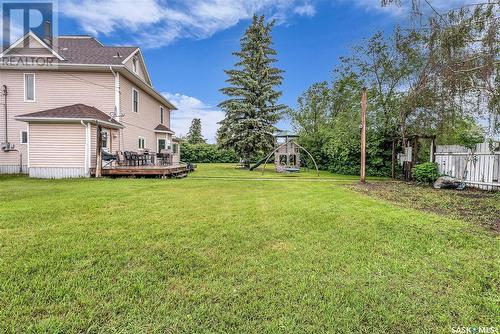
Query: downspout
(5, 110)
(6, 147)
(117, 105)
(87, 147)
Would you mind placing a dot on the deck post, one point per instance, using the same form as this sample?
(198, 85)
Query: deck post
(98, 150)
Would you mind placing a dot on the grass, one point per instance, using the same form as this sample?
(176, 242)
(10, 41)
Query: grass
(229, 171)
(476, 206)
(207, 255)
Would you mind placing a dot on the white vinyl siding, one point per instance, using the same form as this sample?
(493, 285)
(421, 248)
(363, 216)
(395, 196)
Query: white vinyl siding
(29, 87)
(57, 145)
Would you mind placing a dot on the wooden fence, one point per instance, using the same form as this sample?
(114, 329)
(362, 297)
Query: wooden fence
(479, 168)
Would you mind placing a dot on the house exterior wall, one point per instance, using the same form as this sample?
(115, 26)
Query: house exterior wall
(142, 123)
(55, 89)
(57, 150)
(52, 89)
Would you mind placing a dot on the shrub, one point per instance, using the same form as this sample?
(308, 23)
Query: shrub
(425, 173)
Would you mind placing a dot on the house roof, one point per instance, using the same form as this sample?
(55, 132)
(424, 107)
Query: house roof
(81, 52)
(163, 128)
(75, 112)
(88, 50)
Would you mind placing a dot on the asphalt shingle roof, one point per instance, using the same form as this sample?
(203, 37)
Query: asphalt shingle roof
(76, 111)
(87, 50)
(161, 127)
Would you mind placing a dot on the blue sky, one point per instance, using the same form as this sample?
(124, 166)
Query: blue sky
(188, 43)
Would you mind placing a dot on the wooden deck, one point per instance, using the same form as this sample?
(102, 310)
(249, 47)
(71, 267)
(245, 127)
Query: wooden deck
(151, 171)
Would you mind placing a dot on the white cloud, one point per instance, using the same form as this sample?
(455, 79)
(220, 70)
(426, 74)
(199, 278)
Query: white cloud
(189, 108)
(174, 19)
(406, 5)
(305, 10)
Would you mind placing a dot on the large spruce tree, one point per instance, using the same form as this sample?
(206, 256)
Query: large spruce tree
(194, 135)
(252, 109)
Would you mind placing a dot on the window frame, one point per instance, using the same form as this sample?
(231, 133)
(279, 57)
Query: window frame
(34, 87)
(158, 144)
(107, 141)
(135, 67)
(175, 148)
(139, 143)
(21, 137)
(162, 115)
(134, 90)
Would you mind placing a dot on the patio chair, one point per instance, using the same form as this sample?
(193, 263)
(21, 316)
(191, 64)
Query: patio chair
(128, 158)
(120, 158)
(108, 159)
(135, 158)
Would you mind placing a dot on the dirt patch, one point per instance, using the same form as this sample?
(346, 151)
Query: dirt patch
(471, 205)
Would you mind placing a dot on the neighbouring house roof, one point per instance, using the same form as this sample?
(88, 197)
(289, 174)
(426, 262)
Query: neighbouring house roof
(163, 128)
(75, 112)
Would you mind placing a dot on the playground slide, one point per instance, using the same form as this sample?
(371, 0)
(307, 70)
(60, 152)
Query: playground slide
(260, 162)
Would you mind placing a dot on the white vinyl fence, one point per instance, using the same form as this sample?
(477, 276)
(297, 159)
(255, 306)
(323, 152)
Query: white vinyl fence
(479, 168)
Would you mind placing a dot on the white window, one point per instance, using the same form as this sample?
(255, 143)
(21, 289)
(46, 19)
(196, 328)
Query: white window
(105, 140)
(161, 144)
(162, 115)
(29, 87)
(141, 143)
(134, 65)
(135, 100)
(24, 137)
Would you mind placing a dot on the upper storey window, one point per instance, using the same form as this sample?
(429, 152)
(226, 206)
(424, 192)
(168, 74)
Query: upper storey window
(29, 87)
(134, 65)
(135, 100)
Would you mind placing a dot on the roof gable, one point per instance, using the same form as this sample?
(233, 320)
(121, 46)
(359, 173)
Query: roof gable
(30, 45)
(142, 70)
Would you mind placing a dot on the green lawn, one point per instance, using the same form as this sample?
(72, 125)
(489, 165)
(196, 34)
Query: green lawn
(229, 171)
(208, 255)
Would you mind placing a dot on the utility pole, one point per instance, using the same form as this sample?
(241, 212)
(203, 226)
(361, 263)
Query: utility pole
(363, 135)
(393, 165)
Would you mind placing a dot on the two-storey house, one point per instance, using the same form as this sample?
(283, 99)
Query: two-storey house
(54, 98)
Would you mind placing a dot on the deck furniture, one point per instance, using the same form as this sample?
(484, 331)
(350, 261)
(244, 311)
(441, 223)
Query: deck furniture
(165, 157)
(108, 159)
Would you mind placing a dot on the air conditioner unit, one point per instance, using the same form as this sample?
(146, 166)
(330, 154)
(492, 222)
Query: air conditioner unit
(7, 146)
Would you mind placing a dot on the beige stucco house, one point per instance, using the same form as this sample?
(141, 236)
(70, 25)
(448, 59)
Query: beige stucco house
(52, 105)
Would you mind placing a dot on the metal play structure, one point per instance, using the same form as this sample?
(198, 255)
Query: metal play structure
(286, 155)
